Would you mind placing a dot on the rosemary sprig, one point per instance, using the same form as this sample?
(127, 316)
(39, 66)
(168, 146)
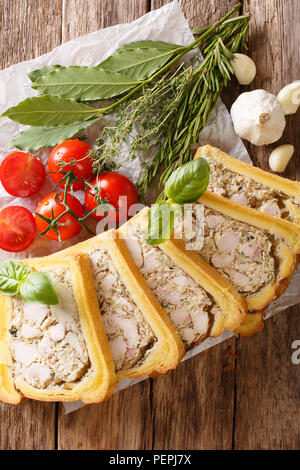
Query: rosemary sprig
(194, 108)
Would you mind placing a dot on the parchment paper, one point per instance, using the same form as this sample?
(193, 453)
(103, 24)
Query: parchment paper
(166, 24)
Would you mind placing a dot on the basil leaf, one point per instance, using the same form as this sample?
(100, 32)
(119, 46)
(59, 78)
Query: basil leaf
(140, 59)
(49, 111)
(160, 223)
(84, 83)
(35, 138)
(12, 274)
(38, 288)
(35, 74)
(188, 182)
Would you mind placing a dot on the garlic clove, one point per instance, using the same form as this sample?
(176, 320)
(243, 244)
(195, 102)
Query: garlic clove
(244, 68)
(258, 117)
(280, 157)
(289, 97)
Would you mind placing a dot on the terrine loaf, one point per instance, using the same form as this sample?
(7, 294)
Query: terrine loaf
(57, 352)
(250, 186)
(255, 254)
(198, 300)
(142, 339)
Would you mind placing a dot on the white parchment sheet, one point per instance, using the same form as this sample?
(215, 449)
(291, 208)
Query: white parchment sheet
(166, 24)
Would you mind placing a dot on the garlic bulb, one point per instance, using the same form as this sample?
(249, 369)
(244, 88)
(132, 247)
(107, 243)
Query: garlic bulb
(289, 97)
(244, 68)
(280, 157)
(258, 117)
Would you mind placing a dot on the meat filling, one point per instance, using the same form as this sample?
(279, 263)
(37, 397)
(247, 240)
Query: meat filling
(47, 343)
(250, 193)
(244, 254)
(130, 337)
(188, 305)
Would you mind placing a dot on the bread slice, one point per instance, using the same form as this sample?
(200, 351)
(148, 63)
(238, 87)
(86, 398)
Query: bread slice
(245, 184)
(254, 252)
(198, 300)
(143, 340)
(58, 352)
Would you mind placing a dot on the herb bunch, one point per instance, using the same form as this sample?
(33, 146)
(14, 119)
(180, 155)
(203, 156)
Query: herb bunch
(171, 112)
(68, 95)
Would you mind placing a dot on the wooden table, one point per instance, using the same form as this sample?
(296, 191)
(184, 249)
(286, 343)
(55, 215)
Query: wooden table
(216, 400)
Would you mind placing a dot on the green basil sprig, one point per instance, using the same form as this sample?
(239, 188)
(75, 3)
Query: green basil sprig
(188, 182)
(32, 286)
(186, 185)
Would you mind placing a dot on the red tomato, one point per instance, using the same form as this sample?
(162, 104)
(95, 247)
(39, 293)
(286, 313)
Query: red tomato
(21, 174)
(54, 203)
(113, 185)
(17, 228)
(69, 152)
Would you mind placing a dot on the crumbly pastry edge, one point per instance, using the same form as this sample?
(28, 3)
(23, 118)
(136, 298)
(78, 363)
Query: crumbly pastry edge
(206, 276)
(274, 182)
(287, 248)
(94, 389)
(169, 349)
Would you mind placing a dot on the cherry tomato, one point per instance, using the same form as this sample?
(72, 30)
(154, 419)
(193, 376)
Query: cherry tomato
(17, 228)
(21, 174)
(73, 153)
(113, 185)
(53, 205)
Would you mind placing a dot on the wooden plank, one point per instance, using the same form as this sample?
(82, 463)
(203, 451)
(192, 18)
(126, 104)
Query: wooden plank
(267, 414)
(124, 421)
(268, 387)
(29, 426)
(82, 17)
(193, 407)
(28, 28)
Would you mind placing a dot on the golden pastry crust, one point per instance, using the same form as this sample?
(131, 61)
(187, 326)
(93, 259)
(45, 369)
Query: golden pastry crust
(253, 323)
(225, 295)
(93, 389)
(168, 350)
(274, 182)
(286, 249)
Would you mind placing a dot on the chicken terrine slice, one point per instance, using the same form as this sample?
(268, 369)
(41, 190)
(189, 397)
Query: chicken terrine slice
(143, 340)
(198, 300)
(57, 352)
(250, 186)
(256, 254)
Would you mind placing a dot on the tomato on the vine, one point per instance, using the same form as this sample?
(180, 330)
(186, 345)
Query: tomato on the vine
(53, 206)
(71, 156)
(17, 228)
(21, 174)
(118, 191)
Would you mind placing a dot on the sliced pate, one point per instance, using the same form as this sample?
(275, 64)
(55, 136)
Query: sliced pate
(46, 342)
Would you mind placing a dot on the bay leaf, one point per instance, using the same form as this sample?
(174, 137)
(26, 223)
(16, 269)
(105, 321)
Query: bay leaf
(84, 83)
(50, 111)
(35, 74)
(35, 138)
(141, 59)
(146, 44)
